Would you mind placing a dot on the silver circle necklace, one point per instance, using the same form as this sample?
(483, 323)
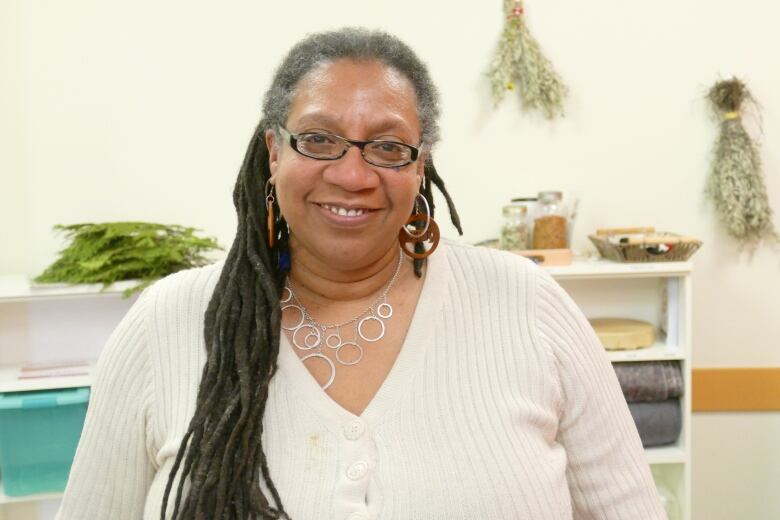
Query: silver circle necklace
(313, 337)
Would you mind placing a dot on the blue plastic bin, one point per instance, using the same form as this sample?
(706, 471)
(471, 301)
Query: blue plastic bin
(39, 432)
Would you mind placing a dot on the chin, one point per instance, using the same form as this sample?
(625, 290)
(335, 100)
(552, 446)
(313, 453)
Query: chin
(351, 254)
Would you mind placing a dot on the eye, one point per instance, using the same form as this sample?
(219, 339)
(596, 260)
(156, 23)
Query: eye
(318, 139)
(388, 147)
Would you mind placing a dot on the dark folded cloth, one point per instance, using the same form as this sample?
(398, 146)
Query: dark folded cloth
(650, 380)
(658, 423)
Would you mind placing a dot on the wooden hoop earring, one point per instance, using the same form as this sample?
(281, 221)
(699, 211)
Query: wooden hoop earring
(431, 235)
(270, 214)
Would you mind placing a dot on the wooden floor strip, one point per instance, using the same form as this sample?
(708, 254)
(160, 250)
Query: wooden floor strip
(735, 389)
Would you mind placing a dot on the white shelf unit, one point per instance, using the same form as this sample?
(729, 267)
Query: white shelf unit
(660, 293)
(10, 380)
(19, 288)
(41, 324)
(51, 324)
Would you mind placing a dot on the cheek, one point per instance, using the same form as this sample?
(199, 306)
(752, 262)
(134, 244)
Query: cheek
(289, 198)
(293, 179)
(282, 201)
(404, 195)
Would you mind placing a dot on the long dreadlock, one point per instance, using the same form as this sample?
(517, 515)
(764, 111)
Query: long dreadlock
(221, 451)
(218, 461)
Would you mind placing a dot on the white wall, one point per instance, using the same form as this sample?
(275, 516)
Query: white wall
(142, 110)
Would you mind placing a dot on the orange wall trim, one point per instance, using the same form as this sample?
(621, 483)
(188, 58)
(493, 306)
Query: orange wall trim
(735, 389)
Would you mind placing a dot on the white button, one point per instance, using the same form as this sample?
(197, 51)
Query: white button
(354, 430)
(357, 470)
(358, 516)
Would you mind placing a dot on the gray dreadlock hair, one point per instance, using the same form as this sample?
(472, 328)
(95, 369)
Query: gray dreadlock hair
(221, 453)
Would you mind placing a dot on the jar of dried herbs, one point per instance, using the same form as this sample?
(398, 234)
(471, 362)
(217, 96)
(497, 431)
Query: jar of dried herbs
(550, 224)
(516, 229)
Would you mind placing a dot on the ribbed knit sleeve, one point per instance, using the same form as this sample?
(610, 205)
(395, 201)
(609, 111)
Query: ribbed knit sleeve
(112, 470)
(607, 471)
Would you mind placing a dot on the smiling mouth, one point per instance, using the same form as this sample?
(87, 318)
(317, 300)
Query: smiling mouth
(345, 212)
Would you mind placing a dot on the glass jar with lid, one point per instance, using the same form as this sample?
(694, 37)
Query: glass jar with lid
(516, 229)
(530, 203)
(550, 222)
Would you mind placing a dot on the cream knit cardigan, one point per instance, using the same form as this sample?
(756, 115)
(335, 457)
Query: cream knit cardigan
(501, 405)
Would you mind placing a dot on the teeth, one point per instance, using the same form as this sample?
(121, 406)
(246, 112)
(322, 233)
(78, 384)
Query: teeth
(343, 211)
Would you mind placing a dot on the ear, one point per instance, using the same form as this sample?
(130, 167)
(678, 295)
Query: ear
(272, 143)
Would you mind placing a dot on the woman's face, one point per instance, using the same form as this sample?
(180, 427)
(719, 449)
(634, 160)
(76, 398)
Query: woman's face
(360, 100)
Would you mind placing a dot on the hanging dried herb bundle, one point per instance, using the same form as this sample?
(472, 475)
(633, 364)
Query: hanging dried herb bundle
(519, 61)
(736, 184)
(109, 252)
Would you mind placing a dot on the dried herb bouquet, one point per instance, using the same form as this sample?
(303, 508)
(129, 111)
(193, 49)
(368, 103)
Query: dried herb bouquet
(736, 184)
(519, 62)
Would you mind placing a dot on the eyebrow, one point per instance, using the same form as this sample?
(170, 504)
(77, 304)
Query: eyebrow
(378, 128)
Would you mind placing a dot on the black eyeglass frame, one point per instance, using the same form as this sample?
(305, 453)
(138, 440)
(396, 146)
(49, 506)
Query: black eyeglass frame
(293, 140)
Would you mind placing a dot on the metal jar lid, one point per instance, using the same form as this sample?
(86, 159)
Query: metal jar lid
(515, 210)
(550, 196)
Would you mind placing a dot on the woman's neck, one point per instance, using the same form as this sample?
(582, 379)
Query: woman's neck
(319, 283)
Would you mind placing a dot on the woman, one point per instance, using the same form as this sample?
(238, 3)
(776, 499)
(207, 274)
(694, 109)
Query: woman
(320, 372)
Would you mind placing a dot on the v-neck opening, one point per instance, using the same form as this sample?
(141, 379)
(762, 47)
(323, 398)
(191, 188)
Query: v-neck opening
(405, 365)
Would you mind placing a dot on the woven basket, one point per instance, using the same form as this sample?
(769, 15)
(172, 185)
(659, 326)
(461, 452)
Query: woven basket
(660, 247)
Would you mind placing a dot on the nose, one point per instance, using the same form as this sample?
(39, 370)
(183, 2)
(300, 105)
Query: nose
(351, 172)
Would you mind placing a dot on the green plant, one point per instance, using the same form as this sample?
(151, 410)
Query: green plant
(113, 251)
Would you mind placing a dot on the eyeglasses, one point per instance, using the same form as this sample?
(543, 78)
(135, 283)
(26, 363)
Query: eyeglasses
(329, 147)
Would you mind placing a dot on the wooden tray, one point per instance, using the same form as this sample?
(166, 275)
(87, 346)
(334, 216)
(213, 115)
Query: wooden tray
(548, 256)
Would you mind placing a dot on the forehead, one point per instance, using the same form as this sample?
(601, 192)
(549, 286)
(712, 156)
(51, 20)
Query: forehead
(353, 97)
